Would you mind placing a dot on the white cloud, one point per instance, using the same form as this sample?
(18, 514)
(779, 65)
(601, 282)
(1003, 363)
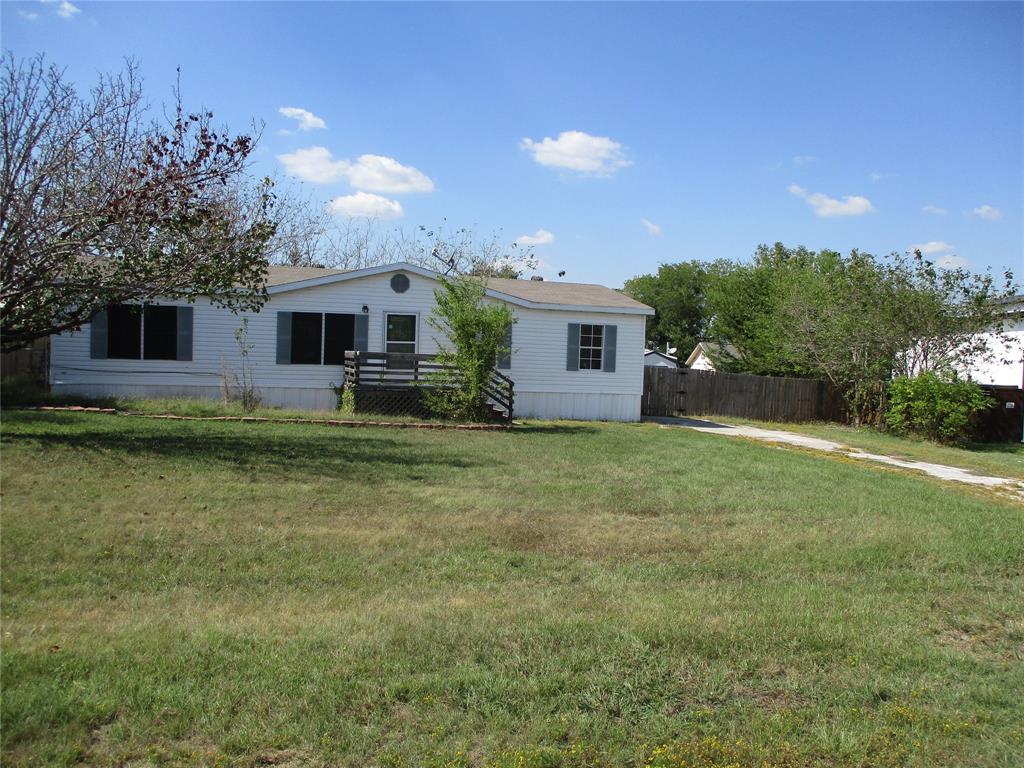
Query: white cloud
(651, 227)
(951, 262)
(307, 120)
(826, 207)
(578, 151)
(371, 173)
(934, 210)
(932, 247)
(314, 164)
(364, 204)
(540, 237)
(942, 253)
(377, 173)
(804, 159)
(988, 212)
(65, 9)
(876, 175)
(28, 15)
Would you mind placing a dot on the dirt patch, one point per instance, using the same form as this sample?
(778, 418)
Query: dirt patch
(1001, 640)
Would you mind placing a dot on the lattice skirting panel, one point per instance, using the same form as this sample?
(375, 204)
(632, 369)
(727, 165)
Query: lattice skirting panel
(403, 401)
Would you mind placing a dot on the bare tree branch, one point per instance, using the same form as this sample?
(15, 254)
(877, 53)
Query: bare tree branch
(99, 205)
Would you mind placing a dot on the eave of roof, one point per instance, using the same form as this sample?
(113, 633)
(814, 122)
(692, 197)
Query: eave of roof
(605, 300)
(661, 354)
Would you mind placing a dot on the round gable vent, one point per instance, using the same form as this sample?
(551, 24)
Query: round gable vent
(400, 283)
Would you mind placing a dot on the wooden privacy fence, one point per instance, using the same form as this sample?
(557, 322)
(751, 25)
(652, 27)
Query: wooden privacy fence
(30, 363)
(683, 391)
(1004, 421)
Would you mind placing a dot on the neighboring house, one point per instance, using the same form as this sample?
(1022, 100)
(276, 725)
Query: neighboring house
(655, 359)
(701, 357)
(577, 350)
(1006, 368)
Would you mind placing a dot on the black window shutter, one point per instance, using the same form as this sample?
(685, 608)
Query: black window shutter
(98, 336)
(505, 355)
(610, 334)
(362, 333)
(184, 333)
(572, 348)
(284, 338)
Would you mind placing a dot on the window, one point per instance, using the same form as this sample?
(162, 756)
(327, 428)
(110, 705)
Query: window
(339, 336)
(504, 361)
(124, 332)
(160, 331)
(307, 337)
(400, 283)
(401, 334)
(133, 332)
(312, 338)
(591, 346)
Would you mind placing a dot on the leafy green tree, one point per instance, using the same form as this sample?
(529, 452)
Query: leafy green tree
(947, 317)
(677, 293)
(839, 318)
(474, 334)
(859, 320)
(744, 307)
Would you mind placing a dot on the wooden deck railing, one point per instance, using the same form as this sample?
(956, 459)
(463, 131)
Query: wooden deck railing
(394, 370)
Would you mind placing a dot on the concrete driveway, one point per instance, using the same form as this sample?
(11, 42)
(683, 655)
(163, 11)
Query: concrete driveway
(941, 471)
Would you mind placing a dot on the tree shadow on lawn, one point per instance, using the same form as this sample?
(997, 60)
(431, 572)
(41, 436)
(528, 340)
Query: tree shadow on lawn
(334, 453)
(993, 447)
(550, 428)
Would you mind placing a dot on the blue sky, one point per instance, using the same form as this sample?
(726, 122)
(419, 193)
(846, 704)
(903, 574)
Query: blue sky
(876, 126)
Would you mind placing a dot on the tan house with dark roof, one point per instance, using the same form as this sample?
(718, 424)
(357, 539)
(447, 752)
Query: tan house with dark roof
(577, 349)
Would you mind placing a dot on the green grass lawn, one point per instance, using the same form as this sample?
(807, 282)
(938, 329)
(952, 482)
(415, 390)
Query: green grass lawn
(999, 459)
(195, 593)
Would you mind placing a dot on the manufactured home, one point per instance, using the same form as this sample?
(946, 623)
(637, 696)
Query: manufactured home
(577, 349)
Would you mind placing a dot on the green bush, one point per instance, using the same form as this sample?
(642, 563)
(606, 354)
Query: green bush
(478, 334)
(346, 398)
(935, 406)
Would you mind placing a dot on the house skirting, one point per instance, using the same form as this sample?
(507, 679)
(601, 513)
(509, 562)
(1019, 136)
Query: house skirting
(298, 398)
(597, 406)
(528, 405)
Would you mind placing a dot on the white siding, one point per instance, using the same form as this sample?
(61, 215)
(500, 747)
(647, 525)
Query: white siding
(1006, 368)
(702, 363)
(545, 389)
(543, 386)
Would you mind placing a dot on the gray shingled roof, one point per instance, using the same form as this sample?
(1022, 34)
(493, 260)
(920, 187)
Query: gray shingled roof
(278, 275)
(572, 294)
(537, 291)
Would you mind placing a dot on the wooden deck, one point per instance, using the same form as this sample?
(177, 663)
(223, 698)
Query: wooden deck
(391, 382)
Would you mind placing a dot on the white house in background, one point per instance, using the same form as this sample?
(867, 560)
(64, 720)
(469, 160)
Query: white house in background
(1007, 366)
(655, 359)
(701, 357)
(577, 349)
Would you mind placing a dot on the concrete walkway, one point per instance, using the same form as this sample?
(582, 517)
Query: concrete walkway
(941, 471)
